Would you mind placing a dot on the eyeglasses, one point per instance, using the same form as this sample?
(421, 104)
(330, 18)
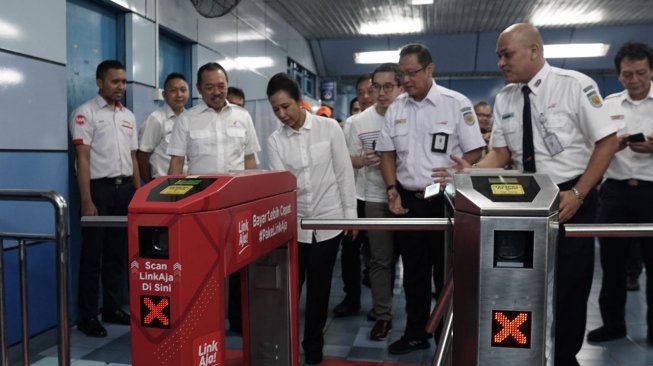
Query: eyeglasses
(387, 87)
(412, 74)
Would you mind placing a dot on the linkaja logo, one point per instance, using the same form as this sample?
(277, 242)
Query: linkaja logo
(208, 353)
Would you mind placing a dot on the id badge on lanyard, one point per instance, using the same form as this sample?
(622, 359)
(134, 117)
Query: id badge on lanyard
(551, 140)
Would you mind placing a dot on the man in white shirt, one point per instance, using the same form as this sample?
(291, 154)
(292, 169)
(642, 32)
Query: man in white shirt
(362, 139)
(423, 127)
(214, 136)
(572, 141)
(627, 193)
(155, 131)
(103, 132)
(313, 148)
(350, 252)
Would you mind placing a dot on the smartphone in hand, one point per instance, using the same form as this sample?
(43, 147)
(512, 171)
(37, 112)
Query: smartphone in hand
(638, 137)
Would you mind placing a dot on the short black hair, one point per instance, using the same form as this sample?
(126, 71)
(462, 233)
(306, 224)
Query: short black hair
(364, 77)
(283, 82)
(423, 54)
(389, 67)
(211, 66)
(232, 90)
(107, 65)
(173, 76)
(633, 51)
(351, 104)
(481, 104)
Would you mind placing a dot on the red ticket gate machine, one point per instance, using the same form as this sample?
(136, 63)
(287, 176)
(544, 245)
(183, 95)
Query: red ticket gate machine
(186, 235)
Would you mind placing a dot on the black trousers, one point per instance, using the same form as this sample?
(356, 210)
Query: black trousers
(350, 261)
(316, 262)
(621, 203)
(574, 271)
(104, 250)
(423, 258)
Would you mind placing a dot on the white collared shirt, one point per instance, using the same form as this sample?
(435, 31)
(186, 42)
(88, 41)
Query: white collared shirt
(154, 136)
(213, 141)
(363, 135)
(412, 127)
(110, 132)
(631, 117)
(359, 174)
(563, 102)
(317, 155)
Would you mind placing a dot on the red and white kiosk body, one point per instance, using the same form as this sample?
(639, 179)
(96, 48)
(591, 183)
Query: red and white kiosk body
(186, 235)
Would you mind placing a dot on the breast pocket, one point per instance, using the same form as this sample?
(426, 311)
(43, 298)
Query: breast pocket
(561, 125)
(400, 137)
(510, 129)
(202, 142)
(237, 137)
(438, 137)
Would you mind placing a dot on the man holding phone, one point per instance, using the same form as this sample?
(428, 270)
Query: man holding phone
(627, 193)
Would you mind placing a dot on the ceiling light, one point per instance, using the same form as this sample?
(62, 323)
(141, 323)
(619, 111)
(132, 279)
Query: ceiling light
(376, 57)
(8, 30)
(551, 17)
(421, 2)
(393, 26)
(576, 50)
(10, 76)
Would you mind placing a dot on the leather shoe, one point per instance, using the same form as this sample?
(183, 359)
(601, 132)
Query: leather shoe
(381, 330)
(604, 334)
(92, 328)
(117, 316)
(346, 308)
(405, 345)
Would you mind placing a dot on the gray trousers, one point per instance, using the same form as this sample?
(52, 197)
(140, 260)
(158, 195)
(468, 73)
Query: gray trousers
(381, 262)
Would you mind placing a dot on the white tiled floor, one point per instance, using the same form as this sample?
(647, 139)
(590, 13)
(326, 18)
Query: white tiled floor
(347, 338)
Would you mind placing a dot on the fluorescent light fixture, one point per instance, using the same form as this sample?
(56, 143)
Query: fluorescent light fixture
(8, 30)
(421, 2)
(551, 17)
(247, 63)
(576, 50)
(376, 57)
(238, 37)
(10, 76)
(393, 26)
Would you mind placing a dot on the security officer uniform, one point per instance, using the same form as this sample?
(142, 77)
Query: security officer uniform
(567, 119)
(111, 134)
(424, 134)
(626, 197)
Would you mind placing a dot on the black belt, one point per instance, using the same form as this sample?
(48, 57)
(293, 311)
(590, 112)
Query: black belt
(632, 182)
(116, 181)
(417, 194)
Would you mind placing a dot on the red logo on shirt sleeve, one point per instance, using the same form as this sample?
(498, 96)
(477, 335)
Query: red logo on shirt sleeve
(80, 119)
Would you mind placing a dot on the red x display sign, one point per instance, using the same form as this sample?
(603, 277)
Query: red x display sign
(511, 329)
(155, 311)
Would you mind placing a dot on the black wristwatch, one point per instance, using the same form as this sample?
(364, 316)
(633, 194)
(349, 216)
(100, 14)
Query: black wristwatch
(388, 188)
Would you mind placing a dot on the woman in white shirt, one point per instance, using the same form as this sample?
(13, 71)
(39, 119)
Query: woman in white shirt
(313, 148)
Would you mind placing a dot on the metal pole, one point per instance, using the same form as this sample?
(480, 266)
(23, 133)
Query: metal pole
(433, 224)
(3, 324)
(608, 230)
(22, 265)
(61, 233)
(445, 339)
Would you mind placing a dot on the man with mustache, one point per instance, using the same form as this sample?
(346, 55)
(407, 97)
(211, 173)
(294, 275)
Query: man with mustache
(215, 136)
(103, 132)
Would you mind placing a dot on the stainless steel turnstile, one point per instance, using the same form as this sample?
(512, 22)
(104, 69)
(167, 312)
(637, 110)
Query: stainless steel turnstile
(504, 259)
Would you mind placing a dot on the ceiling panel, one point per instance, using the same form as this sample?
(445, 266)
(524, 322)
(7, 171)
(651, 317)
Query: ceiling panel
(320, 19)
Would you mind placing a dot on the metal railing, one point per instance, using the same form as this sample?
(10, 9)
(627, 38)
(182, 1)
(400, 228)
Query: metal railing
(60, 237)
